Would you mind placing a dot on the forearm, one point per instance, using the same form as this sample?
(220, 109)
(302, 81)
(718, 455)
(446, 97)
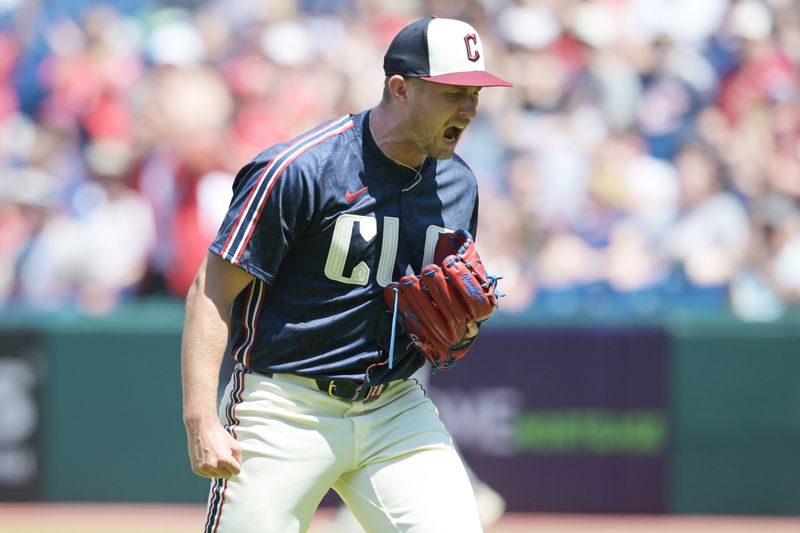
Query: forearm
(213, 451)
(205, 335)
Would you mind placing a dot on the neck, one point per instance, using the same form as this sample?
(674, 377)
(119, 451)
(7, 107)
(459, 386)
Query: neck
(391, 138)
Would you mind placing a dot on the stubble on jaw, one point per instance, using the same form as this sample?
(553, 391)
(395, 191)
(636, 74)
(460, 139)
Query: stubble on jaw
(423, 134)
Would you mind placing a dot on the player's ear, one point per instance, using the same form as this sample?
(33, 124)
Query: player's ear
(398, 87)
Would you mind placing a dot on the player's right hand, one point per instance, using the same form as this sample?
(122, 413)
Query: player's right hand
(214, 452)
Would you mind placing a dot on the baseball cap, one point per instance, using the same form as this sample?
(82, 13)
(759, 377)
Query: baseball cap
(440, 50)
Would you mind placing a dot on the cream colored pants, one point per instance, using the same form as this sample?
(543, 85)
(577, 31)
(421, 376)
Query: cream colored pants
(390, 460)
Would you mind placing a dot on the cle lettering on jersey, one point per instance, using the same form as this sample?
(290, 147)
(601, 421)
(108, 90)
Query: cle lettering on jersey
(368, 229)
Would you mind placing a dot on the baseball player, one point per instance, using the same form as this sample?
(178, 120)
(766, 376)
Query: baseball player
(344, 263)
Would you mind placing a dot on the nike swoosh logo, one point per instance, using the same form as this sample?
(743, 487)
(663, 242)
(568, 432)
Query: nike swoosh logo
(352, 196)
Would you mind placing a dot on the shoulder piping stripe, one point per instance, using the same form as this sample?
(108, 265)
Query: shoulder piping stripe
(249, 215)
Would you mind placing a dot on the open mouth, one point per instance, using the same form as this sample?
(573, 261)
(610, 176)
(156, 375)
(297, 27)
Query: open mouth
(453, 133)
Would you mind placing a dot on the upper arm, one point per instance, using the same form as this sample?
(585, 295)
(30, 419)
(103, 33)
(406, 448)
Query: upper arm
(219, 282)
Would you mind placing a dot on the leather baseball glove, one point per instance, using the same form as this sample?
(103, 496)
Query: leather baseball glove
(441, 308)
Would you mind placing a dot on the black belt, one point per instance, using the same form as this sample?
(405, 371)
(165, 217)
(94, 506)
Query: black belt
(342, 389)
(351, 391)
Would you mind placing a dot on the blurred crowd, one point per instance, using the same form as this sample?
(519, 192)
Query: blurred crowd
(647, 159)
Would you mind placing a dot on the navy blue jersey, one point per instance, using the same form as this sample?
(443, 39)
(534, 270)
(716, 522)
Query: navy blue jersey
(324, 223)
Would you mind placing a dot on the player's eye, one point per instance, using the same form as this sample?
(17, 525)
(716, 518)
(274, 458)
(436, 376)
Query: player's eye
(455, 95)
(458, 95)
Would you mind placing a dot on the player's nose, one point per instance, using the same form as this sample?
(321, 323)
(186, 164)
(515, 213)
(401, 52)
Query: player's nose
(469, 106)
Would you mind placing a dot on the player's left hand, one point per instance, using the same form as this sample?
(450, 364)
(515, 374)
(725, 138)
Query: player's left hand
(443, 307)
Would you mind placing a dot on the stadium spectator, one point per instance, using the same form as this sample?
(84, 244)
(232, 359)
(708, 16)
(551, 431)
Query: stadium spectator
(648, 159)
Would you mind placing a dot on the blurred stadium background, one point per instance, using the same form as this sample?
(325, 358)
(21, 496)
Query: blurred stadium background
(640, 194)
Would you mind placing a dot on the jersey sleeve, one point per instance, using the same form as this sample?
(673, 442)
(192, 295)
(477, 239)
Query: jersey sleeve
(267, 214)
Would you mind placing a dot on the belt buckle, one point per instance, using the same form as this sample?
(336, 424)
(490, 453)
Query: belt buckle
(333, 394)
(371, 394)
(332, 390)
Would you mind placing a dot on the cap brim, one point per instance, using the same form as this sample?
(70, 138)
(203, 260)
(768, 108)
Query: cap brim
(477, 78)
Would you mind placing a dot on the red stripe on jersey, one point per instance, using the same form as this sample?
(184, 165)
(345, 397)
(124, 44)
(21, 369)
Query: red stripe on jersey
(252, 312)
(273, 180)
(272, 173)
(237, 352)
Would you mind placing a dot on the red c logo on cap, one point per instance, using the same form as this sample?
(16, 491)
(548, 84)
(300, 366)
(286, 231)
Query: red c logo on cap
(471, 40)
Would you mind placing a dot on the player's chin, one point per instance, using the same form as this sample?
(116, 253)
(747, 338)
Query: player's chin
(443, 150)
